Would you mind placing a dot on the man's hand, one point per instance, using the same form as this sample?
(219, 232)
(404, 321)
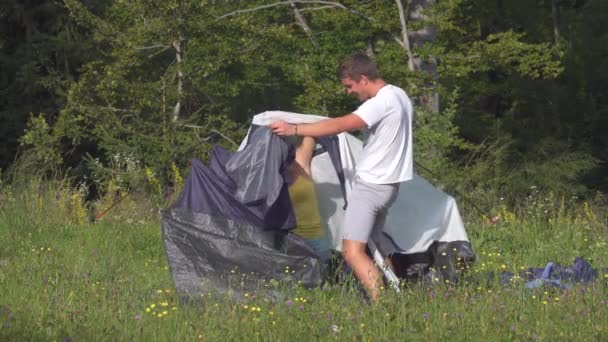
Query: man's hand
(283, 128)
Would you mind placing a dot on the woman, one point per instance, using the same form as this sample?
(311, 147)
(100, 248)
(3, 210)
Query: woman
(304, 199)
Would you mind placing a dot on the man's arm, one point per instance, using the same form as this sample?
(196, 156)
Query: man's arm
(349, 122)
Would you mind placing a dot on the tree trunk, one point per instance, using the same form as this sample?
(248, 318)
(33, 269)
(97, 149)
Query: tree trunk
(419, 38)
(555, 17)
(412, 39)
(178, 46)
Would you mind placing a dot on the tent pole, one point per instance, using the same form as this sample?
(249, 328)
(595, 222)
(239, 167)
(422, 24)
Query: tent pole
(388, 272)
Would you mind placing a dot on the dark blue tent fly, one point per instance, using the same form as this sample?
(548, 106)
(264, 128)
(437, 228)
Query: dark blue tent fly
(232, 219)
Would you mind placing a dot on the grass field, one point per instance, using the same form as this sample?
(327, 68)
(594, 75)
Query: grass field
(63, 279)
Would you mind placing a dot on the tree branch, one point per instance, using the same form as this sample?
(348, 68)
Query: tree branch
(301, 21)
(318, 8)
(152, 47)
(280, 3)
(213, 132)
(405, 39)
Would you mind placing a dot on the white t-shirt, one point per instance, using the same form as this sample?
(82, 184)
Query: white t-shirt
(387, 149)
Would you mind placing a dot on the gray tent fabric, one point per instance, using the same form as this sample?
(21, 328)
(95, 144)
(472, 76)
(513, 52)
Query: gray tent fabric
(257, 169)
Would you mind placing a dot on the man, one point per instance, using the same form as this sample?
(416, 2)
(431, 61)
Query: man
(386, 160)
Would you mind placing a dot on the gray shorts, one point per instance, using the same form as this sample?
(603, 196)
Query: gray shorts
(367, 207)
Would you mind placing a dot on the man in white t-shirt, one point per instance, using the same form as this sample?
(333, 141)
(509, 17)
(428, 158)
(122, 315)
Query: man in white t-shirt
(386, 160)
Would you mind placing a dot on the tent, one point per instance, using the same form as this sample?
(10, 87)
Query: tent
(231, 223)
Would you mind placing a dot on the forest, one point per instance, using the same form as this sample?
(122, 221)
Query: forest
(509, 95)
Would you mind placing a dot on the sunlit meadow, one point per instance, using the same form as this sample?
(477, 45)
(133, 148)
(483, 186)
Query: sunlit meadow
(63, 278)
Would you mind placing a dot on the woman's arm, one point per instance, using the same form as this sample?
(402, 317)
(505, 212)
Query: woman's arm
(304, 154)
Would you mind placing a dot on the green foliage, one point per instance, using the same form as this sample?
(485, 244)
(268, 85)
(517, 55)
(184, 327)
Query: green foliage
(42, 144)
(160, 81)
(41, 49)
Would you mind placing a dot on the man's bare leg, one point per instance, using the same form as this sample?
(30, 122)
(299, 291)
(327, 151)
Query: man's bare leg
(365, 269)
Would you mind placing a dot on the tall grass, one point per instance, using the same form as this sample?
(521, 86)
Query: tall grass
(63, 277)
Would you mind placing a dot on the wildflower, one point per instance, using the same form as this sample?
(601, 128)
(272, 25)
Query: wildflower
(503, 266)
(152, 305)
(137, 317)
(159, 291)
(544, 302)
(362, 325)
(245, 307)
(301, 307)
(164, 304)
(160, 315)
(147, 309)
(174, 308)
(289, 302)
(556, 299)
(425, 315)
(444, 254)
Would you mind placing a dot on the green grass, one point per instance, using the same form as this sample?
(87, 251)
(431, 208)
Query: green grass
(98, 281)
